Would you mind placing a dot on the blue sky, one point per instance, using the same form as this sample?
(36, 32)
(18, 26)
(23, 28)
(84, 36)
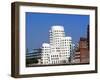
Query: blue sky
(39, 24)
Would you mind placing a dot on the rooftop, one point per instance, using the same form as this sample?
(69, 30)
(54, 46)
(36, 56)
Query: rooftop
(46, 45)
(57, 27)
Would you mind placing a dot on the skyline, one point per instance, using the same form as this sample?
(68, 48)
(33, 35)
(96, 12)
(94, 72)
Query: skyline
(39, 24)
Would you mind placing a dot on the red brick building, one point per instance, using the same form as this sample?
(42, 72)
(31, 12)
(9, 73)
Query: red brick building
(84, 51)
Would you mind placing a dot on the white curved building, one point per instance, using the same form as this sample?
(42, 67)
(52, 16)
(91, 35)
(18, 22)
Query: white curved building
(59, 49)
(45, 53)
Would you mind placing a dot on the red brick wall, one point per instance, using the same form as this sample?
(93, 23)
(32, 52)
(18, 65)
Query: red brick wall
(84, 55)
